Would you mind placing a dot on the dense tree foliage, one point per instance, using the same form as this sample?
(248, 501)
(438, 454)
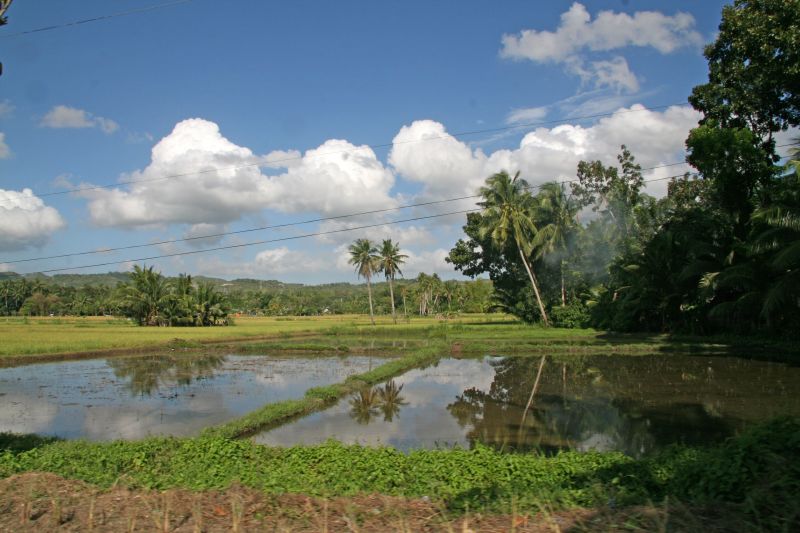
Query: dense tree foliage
(719, 253)
(104, 294)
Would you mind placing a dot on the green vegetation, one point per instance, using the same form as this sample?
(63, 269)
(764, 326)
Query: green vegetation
(759, 472)
(100, 295)
(720, 253)
(56, 335)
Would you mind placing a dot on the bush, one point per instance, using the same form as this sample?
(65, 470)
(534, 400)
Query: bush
(571, 316)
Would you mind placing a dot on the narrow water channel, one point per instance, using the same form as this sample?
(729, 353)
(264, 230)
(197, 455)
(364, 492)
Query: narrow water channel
(632, 404)
(134, 397)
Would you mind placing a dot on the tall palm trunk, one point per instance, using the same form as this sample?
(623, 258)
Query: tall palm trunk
(563, 286)
(369, 293)
(391, 295)
(535, 286)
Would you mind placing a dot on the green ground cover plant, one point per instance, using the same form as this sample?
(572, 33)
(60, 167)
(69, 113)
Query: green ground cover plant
(758, 471)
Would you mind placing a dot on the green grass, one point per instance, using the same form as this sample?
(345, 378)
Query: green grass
(57, 335)
(758, 471)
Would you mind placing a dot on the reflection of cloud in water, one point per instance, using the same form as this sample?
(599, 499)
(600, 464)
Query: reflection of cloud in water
(86, 399)
(22, 414)
(451, 376)
(422, 422)
(185, 417)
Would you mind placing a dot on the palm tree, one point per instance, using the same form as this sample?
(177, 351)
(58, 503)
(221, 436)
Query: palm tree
(146, 295)
(209, 305)
(363, 255)
(558, 210)
(507, 207)
(390, 261)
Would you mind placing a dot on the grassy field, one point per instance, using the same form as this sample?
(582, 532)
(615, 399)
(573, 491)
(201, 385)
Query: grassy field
(53, 335)
(49, 336)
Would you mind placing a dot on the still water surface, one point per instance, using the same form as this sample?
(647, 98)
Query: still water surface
(133, 397)
(631, 404)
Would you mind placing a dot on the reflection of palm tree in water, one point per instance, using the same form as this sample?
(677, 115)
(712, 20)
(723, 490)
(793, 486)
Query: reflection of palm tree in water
(147, 374)
(364, 405)
(391, 401)
(553, 421)
(370, 401)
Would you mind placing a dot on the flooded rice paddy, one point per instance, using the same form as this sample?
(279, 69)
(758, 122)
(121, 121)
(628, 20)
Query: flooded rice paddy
(134, 397)
(636, 405)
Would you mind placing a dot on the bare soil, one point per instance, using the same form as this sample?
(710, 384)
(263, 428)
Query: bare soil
(47, 502)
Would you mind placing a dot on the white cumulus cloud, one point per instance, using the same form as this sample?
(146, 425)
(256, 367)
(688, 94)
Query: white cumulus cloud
(62, 116)
(578, 34)
(25, 220)
(197, 176)
(449, 167)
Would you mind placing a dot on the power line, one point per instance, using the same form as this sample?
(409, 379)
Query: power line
(287, 159)
(97, 19)
(311, 221)
(275, 226)
(237, 232)
(255, 243)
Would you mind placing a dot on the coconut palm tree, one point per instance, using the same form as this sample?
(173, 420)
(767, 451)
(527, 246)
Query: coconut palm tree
(363, 255)
(390, 260)
(507, 217)
(555, 208)
(146, 295)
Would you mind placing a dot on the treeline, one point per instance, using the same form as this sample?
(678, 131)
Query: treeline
(148, 297)
(425, 295)
(720, 253)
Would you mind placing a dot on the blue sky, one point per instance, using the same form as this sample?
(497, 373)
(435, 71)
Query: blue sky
(285, 96)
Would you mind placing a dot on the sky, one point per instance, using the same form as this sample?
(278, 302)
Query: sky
(199, 118)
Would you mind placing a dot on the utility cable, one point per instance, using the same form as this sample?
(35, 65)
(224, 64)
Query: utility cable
(237, 232)
(276, 226)
(96, 19)
(255, 243)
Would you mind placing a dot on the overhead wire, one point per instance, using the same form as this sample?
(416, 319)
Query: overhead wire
(300, 223)
(255, 243)
(95, 19)
(289, 224)
(237, 232)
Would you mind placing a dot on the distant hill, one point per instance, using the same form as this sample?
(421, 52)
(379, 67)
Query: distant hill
(111, 279)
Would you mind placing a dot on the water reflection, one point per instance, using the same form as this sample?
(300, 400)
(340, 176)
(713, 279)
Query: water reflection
(632, 404)
(391, 401)
(133, 397)
(368, 403)
(364, 405)
(144, 375)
